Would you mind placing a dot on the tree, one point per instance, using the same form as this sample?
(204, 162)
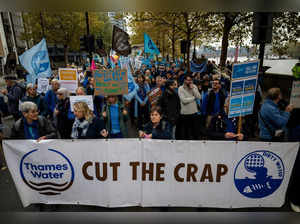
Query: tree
(191, 25)
(285, 33)
(65, 28)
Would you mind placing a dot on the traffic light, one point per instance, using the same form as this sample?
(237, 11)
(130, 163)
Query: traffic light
(83, 43)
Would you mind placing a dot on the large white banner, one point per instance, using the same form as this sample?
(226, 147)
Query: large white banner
(131, 172)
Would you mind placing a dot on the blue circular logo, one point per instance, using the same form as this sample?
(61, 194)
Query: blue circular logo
(259, 174)
(40, 62)
(49, 172)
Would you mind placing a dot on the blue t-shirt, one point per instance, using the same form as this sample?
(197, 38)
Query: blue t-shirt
(114, 117)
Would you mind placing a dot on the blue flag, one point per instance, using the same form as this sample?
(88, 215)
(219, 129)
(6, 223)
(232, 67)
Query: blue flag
(198, 67)
(149, 46)
(132, 86)
(36, 61)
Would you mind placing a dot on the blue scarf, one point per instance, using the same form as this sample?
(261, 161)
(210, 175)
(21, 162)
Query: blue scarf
(31, 130)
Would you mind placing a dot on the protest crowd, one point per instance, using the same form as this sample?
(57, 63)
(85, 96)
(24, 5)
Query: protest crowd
(170, 101)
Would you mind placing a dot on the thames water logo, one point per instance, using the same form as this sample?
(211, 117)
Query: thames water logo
(48, 178)
(259, 174)
(40, 62)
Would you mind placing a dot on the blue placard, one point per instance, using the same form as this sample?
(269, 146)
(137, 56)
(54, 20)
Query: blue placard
(250, 86)
(235, 107)
(245, 70)
(237, 88)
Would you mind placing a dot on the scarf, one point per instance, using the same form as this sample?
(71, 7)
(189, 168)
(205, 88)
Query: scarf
(31, 130)
(79, 128)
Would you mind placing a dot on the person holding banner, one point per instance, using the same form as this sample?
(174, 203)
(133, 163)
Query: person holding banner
(32, 96)
(50, 98)
(31, 125)
(224, 128)
(115, 117)
(86, 124)
(63, 123)
(156, 128)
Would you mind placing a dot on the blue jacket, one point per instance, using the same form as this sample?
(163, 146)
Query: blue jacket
(50, 100)
(162, 131)
(273, 117)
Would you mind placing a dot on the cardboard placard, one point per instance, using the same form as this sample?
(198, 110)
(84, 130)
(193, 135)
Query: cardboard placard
(110, 82)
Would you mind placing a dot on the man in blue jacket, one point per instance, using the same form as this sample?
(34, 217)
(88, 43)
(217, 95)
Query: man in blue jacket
(271, 118)
(50, 98)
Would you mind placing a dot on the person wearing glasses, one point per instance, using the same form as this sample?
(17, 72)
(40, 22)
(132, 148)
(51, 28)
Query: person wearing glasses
(31, 125)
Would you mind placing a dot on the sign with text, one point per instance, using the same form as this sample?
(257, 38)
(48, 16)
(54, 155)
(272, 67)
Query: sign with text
(243, 88)
(295, 95)
(245, 70)
(68, 78)
(87, 99)
(111, 82)
(43, 85)
(132, 172)
(154, 96)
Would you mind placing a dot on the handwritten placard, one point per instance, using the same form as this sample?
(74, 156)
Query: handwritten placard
(110, 82)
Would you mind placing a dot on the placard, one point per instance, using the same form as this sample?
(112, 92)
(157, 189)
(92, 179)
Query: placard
(68, 78)
(110, 82)
(87, 99)
(43, 85)
(243, 88)
(295, 95)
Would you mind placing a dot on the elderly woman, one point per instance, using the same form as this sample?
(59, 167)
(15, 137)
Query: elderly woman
(31, 125)
(156, 128)
(63, 122)
(86, 124)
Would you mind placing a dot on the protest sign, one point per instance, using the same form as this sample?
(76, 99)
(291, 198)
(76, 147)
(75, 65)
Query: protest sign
(68, 78)
(295, 95)
(111, 82)
(154, 96)
(43, 85)
(150, 173)
(87, 99)
(243, 88)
